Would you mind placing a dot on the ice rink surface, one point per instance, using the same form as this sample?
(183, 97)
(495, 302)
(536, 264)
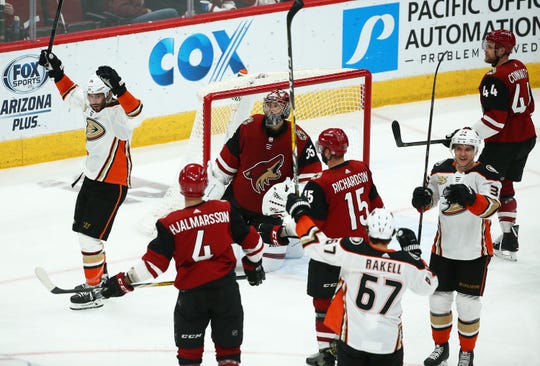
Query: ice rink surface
(38, 328)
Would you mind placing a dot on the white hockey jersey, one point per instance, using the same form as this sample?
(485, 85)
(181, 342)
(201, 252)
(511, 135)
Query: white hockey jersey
(463, 233)
(108, 133)
(366, 309)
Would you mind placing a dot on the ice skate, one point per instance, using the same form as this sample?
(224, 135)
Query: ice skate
(325, 357)
(507, 245)
(465, 358)
(439, 355)
(88, 299)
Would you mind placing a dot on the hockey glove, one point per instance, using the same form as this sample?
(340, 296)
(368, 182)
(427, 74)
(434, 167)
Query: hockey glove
(297, 206)
(422, 197)
(116, 286)
(408, 242)
(110, 77)
(449, 137)
(54, 66)
(272, 234)
(254, 271)
(460, 194)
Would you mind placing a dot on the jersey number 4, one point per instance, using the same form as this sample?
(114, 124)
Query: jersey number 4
(520, 100)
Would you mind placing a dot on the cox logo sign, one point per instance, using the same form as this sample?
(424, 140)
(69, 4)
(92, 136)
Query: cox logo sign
(24, 75)
(196, 56)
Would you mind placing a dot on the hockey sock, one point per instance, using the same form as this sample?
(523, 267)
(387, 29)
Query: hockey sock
(93, 259)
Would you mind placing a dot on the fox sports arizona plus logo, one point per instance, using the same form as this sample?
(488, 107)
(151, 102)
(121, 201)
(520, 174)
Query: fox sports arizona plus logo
(24, 75)
(195, 56)
(370, 38)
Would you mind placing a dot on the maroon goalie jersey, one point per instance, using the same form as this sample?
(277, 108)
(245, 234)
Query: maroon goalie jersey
(341, 199)
(199, 239)
(507, 103)
(258, 160)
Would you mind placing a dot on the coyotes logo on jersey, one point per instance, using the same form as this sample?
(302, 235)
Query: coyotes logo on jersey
(263, 173)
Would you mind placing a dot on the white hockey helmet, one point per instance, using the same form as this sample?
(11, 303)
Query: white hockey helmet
(97, 86)
(380, 224)
(466, 136)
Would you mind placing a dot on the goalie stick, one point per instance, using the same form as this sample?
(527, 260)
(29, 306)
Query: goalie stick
(396, 130)
(296, 6)
(45, 280)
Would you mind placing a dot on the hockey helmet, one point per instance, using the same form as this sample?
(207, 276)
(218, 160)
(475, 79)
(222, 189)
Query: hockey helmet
(502, 38)
(466, 136)
(280, 97)
(193, 180)
(333, 139)
(380, 224)
(97, 86)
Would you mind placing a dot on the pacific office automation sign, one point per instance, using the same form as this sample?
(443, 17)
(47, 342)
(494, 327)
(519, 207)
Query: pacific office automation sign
(23, 79)
(404, 36)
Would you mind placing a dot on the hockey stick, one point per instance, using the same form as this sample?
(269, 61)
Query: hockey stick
(396, 130)
(55, 25)
(428, 142)
(45, 280)
(296, 6)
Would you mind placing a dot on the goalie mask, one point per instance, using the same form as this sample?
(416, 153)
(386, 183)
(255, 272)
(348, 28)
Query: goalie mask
(193, 180)
(380, 224)
(280, 98)
(466, 136)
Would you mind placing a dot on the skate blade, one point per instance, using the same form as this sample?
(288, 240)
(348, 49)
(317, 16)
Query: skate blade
(89, 305)
(509, 256)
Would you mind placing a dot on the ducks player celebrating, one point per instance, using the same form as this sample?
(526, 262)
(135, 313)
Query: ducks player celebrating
(467, 194)
(107, 172)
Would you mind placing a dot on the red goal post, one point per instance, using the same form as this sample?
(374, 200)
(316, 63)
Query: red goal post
(324, 96)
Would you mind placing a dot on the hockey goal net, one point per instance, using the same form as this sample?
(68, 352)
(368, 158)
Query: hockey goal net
(323, 98)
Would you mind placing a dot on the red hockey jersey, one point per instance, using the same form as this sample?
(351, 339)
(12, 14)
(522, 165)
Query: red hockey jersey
(507, 103)
(199, 239)
(258, 160)
(347, 192)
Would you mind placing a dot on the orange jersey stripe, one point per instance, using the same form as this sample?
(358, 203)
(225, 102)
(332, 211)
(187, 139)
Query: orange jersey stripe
(65, 86)
(131, 105)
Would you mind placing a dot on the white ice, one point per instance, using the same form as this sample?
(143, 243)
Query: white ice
(38, 328)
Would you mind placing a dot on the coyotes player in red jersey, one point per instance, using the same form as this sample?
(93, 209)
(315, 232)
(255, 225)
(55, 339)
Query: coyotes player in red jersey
(507, 127)
(341, 197)
(199, 239)
(257, 157)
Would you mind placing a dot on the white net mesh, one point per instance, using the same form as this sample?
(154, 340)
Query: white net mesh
(232, 101)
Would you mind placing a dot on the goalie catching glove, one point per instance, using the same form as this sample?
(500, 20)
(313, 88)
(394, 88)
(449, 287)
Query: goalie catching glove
(110, 77)
(116, 286)
(408, 242)
(275, 200)
(460, 194)
(254, 271)
(54, 66)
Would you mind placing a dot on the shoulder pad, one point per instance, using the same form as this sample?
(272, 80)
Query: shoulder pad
(488, 171)
(444, 166)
